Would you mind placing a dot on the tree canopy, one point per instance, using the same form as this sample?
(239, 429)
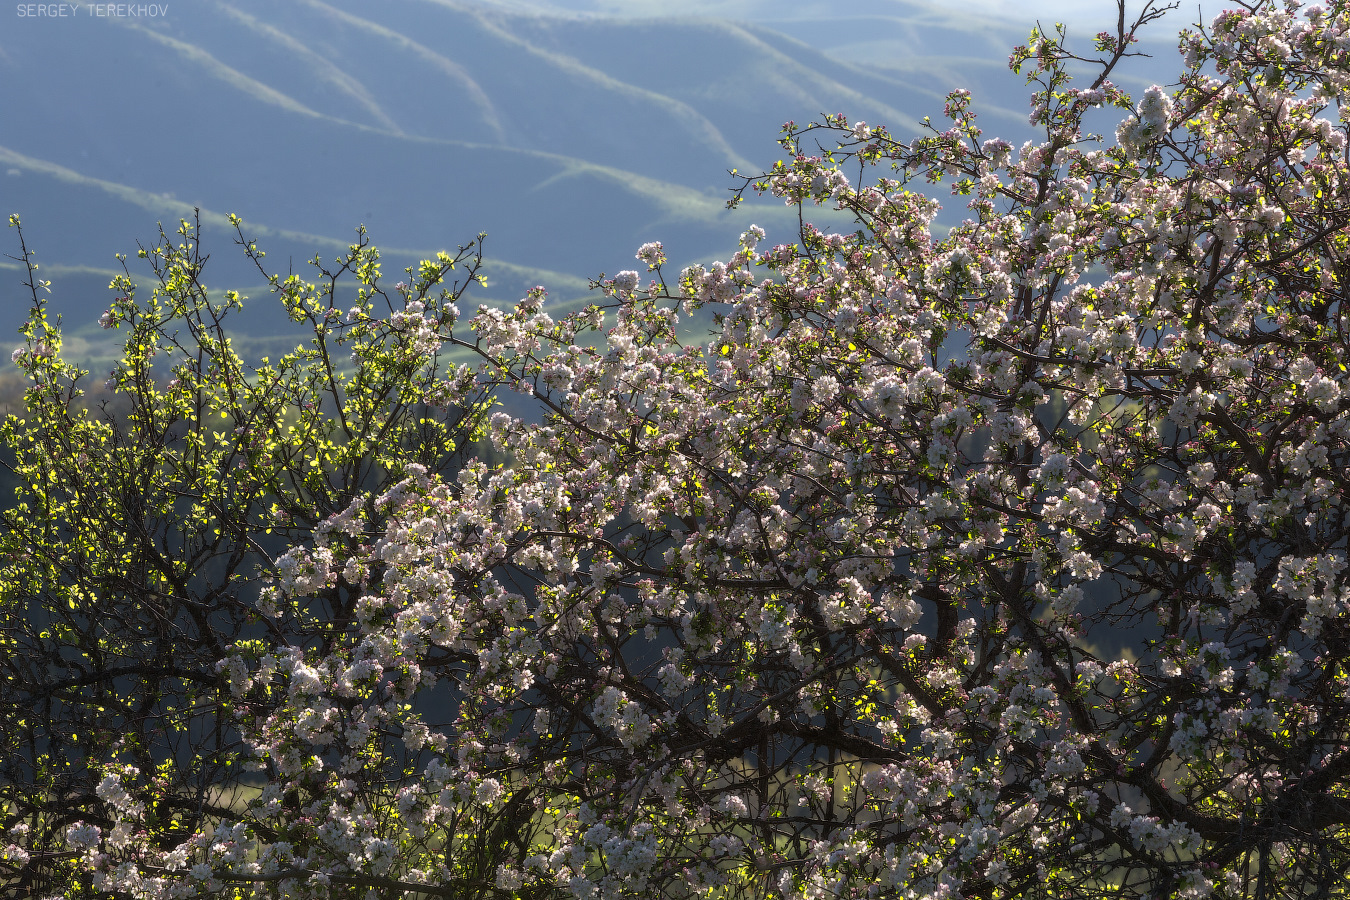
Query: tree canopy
(1005, 561)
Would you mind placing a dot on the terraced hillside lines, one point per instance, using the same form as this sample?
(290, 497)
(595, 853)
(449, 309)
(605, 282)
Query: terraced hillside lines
(80, 291)
(688, 121)
(553, 101)
(731, 73)
(828, 81)
(327, 82)
(201, 59)
(366, 36)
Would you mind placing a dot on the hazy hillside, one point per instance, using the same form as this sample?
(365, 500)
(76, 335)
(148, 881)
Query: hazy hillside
(569, 134)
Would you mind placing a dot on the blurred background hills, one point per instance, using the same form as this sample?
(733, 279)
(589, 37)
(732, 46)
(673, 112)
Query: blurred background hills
(571, 131)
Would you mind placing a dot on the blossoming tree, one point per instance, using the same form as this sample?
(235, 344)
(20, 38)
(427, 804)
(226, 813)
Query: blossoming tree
(129, 559)
(1005, 562)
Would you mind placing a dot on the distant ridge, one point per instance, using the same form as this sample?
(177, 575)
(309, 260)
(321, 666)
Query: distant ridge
(569, 134)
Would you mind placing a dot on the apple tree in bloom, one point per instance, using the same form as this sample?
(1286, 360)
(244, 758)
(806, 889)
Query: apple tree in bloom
(148, 506)
(1000, 561)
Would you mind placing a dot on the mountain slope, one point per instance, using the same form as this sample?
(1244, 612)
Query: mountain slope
(570, 138)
